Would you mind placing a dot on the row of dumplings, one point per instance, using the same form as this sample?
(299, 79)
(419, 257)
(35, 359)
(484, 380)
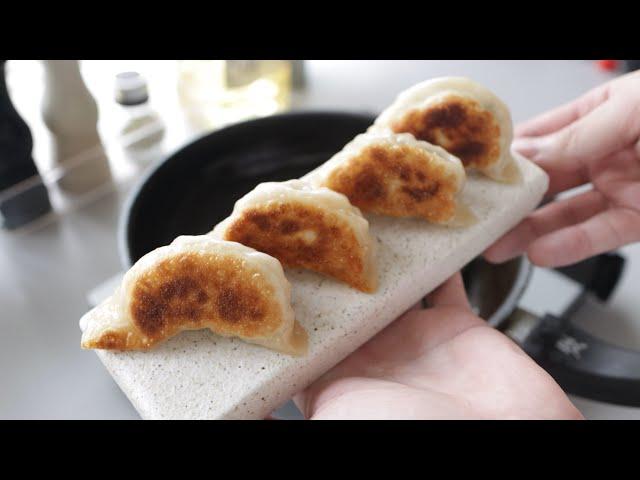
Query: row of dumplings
(412, 162)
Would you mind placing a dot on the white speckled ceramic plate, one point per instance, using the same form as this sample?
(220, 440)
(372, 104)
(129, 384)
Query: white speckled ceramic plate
(198, 375)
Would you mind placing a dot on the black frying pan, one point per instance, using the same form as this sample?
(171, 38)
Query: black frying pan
(196, 187)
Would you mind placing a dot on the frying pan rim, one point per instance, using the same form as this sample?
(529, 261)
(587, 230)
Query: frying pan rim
(510, 302)
(136, 191)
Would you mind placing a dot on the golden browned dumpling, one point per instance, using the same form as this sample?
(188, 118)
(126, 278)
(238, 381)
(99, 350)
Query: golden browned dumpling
(195, 283)
(306, 227)
(463, 117)
(395, 174)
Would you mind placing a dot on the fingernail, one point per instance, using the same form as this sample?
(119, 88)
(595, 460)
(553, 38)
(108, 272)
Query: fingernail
(528, 147)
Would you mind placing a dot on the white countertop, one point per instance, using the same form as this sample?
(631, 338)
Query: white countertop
(46, 274)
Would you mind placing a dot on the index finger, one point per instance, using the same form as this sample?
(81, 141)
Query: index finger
(564, 115)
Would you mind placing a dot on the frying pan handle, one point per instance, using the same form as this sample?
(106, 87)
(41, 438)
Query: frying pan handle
(598, 275)
(581, 363)
(584, 365)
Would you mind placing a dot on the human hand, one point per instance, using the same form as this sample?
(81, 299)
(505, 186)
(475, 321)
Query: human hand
(439, 363)
(596, 139)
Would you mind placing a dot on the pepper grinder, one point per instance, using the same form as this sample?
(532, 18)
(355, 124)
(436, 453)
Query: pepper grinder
(29, 200)
(71, 114)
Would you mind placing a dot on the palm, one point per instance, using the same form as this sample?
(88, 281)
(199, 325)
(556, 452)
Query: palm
(440, 363)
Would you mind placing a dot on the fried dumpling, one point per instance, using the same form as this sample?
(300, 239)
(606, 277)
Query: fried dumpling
(305, 227)
(198, 282)
(463, 117)
(395, 174)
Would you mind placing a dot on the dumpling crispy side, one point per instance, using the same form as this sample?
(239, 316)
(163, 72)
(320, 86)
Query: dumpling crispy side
(461, 116)
(397, 175)
(305, 227)
(195, 283)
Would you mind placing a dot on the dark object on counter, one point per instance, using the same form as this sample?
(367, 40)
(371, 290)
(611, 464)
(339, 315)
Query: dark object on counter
(631, 65)
(29, 200)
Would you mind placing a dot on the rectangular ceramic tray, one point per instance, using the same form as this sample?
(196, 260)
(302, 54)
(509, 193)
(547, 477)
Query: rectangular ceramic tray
(198, 375)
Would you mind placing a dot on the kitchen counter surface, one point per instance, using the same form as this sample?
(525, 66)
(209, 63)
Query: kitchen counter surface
(47, 273)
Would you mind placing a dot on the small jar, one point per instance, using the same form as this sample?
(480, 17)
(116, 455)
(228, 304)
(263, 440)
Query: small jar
(142, 130)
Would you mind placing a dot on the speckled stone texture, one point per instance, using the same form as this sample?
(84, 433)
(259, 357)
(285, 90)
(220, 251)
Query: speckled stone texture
(198, 375)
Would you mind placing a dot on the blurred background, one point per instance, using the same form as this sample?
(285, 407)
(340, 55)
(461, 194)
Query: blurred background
(75, 136)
